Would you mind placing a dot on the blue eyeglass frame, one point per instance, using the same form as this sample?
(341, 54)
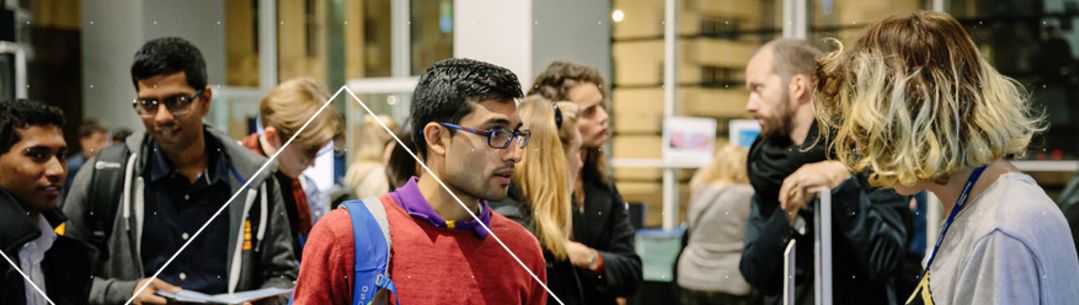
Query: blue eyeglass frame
(490, 133)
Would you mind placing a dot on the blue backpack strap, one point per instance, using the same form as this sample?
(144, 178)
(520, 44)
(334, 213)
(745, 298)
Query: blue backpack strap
(372, 252)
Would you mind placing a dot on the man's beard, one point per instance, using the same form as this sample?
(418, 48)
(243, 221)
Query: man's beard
(779, 125)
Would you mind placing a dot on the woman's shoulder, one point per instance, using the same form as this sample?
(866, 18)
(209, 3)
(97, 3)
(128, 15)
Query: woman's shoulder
(1015, 205)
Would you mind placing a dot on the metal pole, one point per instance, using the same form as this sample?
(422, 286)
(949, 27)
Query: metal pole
(400, 36)
(933, 215)
(789, 270)
(801, 23)
(795, 20)
(267, 32)
(670, 83)
(823, 247)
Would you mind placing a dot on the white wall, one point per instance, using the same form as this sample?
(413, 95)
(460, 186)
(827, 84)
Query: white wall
(526, 35)
(573, 30)
(111, 34)
(495, 31)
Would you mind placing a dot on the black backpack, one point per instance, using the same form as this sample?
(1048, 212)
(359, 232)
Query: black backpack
(106, 189)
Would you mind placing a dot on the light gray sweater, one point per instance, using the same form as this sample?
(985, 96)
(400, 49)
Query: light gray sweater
(717, 225)
(1010, 245)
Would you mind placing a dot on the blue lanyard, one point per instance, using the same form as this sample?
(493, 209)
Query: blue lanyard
(955, 211)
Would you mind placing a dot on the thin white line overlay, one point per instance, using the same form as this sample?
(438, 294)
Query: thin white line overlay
(26, 277)
(234, 195)
(278, 152)
(455, 198)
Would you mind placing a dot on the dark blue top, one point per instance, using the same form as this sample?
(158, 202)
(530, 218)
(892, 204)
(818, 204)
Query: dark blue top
(74, 163)
(175, 209)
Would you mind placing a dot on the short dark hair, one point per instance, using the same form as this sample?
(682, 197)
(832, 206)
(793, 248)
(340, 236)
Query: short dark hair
(169, 55)
(446, 89)
(90, 127)
(555, 82)
(23, 113)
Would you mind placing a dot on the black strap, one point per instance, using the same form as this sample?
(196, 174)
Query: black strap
(106, 187)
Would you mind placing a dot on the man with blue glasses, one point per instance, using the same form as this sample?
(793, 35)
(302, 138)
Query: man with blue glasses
(467, 132)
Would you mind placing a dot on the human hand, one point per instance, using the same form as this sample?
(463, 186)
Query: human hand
(801, 186)
(580, 256)
(147, 295)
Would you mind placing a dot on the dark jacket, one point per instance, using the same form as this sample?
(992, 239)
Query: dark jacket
(603, 226)
(869, 241)
(66, 265)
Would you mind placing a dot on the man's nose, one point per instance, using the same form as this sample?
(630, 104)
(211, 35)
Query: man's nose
(55, 169)
(163, 114)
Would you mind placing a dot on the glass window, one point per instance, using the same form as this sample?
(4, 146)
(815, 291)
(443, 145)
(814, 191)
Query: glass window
(716, 41)
(1032, 42)
(367, 32)
(241, 43)
(431, 26)
(846, 19)
(301, 40)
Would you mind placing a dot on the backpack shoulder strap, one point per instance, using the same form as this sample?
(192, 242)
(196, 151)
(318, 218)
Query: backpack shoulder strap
(372, 251)
(378, 212)
(106, 188)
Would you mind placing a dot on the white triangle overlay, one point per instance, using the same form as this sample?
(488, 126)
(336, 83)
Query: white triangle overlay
(278, 152)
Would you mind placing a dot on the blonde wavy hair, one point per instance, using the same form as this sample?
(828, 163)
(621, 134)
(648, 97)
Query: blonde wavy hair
(728, 165)
(366, 174)
(913, 101)
(543, 174)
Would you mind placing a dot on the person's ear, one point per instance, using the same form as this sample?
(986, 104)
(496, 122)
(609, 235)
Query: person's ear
(272, 136)
(207, 96)
(799, 88)
(436, 137)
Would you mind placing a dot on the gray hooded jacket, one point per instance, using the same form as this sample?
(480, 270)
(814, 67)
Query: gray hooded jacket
(267, 263)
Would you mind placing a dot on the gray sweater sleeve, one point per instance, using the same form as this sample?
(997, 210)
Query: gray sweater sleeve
(278, 266)
(76, 207)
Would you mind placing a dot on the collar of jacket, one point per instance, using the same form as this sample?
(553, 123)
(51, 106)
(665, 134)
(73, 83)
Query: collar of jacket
(16, 228)
(245, 162)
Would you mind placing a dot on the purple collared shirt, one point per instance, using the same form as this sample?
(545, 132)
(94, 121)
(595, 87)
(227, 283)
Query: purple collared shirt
(411, 200)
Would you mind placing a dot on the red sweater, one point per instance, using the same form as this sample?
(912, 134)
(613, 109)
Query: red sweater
(429, 265)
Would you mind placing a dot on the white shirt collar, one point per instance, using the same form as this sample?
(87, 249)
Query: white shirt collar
(35, 249)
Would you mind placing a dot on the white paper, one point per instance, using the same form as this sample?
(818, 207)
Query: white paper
(190, 296)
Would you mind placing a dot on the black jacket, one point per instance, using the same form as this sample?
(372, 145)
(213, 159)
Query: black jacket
(869, 241)
(603, 226)
(66, 265)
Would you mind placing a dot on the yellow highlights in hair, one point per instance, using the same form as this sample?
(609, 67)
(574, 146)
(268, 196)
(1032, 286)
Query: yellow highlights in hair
(914, 101)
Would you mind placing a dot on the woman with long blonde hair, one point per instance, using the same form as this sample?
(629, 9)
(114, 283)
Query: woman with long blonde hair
(914, 102)
(540, 197)
(603, 246)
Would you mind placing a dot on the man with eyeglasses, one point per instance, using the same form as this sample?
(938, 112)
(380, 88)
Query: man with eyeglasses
(467, 131)
(175, 176)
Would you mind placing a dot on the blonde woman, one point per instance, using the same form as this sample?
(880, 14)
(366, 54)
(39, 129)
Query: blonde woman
(540, 197)
(914, 102)
(718, 209)
(604, 238)
(366, 175)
